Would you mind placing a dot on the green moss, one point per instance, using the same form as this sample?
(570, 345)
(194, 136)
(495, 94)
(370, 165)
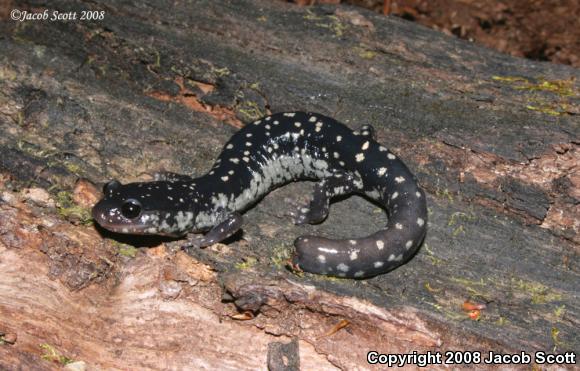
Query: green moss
(248, 263)
(452, 315)
(458, 230)
(560, 311)
(330, 22)
(365, 53)
(444, 193)
(7, 74)
(538, 293)
(73, 168)
(555, 93)
(52, 355)
(280, 256)
(434, 260)
(128, 251)
(458, 219)
(221, 72)
(251, 111)
(555, 333)
(20, 118)
(68, 209)
(501, 321)
(157, 59)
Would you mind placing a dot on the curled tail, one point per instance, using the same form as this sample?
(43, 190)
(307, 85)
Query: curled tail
(382, 176)
(369, 256)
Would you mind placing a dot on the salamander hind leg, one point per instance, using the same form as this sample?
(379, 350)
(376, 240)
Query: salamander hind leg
(317, 210)
(218, 233)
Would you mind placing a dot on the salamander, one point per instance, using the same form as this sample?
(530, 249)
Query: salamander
(268, 153)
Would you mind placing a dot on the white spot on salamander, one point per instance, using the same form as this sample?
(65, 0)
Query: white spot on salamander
(395, 195)
(352, 242)
(290, 114)
(396, 258)
(297, 124)
(399, 179)
(409, 244)
(382, 149)
(230, 146)
(365, 145)
(390, 156)
(420, 222)
(327, 250)
(322, 259)
(378, 264)
(338, 138)
(380, 244)
(382, 171)
(312, 119)
(418, 194)
(359, 274)
(354, 255)
(399, 226)
(225, 178)
(248, 144)
(359, 157)
(235, 160)
(343, 267)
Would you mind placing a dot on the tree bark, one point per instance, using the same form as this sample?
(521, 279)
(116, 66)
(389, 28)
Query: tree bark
(161, 85)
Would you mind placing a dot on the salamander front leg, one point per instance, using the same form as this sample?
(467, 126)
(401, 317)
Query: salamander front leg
(218, 233)
(317, 210)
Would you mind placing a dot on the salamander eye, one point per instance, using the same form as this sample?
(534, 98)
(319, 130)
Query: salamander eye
(131, 209)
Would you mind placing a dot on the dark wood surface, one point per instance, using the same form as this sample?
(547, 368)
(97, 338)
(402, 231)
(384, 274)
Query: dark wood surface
(161, 85)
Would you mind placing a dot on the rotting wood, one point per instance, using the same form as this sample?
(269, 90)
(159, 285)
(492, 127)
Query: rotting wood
(493, 139)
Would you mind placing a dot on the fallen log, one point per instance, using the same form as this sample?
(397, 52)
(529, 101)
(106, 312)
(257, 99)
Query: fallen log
(161, 86)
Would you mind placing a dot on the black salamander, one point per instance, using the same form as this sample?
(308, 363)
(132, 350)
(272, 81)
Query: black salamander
(268, 153)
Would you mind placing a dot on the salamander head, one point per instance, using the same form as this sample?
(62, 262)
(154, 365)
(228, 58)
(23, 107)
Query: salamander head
(144, 208)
